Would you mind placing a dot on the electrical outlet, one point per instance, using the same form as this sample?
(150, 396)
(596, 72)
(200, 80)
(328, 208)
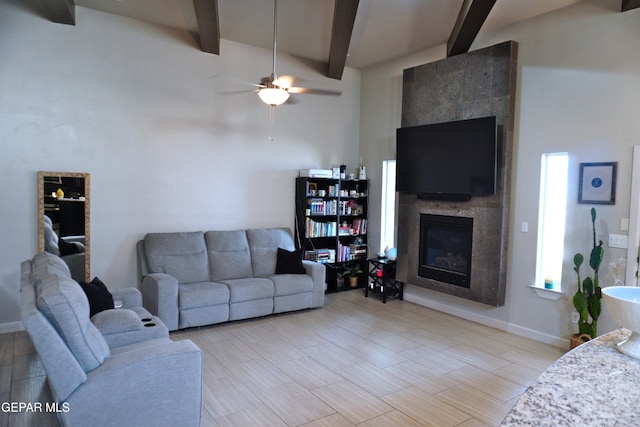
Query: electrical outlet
(575, 317)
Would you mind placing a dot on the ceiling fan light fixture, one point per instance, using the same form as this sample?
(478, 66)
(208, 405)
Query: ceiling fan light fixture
(273, 95)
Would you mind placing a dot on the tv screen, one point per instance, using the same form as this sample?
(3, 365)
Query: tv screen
(457, 158)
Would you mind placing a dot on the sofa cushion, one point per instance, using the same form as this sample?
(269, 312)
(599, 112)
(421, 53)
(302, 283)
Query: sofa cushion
(99, 297)
(264, 244)
(202, 294)
(288, 284)
(44, 264)
(65, 305)
(228, 253)
(289, 262)
(249, 289)
(181, 255)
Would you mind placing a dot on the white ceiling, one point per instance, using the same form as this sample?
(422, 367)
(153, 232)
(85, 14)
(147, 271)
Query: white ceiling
(384, 29)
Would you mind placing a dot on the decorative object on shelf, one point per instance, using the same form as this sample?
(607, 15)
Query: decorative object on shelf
(316, 173)
(391, 253)
(548, 283)
(353, 270)
(587, 300)
(362, 174)
(59, 193)
(343, 171)
(597, 183)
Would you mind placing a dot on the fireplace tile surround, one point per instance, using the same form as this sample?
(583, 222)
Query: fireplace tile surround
(476, 84)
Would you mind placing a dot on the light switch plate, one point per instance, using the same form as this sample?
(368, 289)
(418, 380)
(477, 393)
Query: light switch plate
(624, 224)
(618, 241)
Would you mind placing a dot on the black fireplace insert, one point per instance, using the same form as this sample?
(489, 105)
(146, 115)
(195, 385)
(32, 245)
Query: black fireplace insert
(445, 249)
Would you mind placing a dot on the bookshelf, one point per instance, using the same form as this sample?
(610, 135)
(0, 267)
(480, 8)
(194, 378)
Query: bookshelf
(331, 225)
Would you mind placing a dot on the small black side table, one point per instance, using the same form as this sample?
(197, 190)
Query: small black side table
(382, 279)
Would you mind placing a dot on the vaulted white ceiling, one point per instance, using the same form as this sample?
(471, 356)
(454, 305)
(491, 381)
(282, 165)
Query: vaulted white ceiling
(383, 29)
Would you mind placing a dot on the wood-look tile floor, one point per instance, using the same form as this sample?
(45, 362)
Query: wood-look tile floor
(354, 362)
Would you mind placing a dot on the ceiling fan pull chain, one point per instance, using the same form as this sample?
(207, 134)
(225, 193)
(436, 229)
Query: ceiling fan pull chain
(272, 112)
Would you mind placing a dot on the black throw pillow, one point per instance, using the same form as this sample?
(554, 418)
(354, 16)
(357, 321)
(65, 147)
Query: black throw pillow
(99, 297)
(67, 248)
(289, 262)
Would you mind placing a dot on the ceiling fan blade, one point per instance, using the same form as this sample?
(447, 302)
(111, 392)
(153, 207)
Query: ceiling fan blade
(235, 92)
(244, 82)
(311, 91)
(292, 100)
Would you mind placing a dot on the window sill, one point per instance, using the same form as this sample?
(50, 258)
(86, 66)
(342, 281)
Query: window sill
(550, 294)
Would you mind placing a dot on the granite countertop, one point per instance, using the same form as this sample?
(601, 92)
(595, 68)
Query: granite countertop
(592, 385)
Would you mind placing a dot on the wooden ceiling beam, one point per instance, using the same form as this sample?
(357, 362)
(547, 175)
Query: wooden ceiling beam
(470, 19)
(61, 11)
(630, 4)
(208, 25)
(344, 16)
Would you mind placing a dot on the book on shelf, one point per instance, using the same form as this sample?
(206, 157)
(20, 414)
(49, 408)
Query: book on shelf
(359, 226)
(322, 207)
(343, 252)
(326, 256)
(319, 228)
(310, 255)
(358, 251)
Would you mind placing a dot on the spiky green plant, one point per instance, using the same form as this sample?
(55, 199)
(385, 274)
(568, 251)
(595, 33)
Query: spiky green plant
(587, 300)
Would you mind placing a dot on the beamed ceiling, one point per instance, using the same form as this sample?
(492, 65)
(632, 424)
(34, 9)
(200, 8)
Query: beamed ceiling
(338, 33)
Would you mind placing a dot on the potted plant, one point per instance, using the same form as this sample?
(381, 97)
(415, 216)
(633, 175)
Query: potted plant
(587, 300)
(353, 270)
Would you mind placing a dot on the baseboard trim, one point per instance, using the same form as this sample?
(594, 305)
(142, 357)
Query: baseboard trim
(488, 321)
(6, 328)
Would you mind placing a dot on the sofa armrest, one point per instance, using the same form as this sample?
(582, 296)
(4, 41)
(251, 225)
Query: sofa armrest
(157, 382)
(130, 297)
(120, 327)
(116, 321)
(160, 297)
(317, 273)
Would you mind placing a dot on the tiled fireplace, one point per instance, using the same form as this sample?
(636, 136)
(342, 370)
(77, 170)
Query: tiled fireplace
(472, 264)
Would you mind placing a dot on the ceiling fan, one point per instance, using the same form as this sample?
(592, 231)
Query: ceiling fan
(274, 90)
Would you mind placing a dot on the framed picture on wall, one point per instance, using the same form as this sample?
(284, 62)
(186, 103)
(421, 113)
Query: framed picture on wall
(597, 183)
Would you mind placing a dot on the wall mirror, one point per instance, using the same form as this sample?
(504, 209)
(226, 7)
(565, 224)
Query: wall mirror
(63, 219)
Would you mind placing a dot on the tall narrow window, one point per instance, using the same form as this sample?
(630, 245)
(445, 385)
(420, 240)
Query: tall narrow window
(551, 220)
(388, 213)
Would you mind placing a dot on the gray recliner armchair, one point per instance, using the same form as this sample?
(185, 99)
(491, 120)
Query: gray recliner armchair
(113, 369)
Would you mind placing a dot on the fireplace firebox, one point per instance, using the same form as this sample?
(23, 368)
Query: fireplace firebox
(445, 249)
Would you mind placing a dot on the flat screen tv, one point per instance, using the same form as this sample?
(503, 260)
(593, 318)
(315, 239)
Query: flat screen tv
(452, 158)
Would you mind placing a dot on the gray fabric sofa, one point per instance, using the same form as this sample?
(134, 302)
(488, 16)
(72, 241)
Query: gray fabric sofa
(200, 278)
(117, 368)
(76, 260)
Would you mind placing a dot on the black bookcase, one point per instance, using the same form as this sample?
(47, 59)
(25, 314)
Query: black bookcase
(331, 226)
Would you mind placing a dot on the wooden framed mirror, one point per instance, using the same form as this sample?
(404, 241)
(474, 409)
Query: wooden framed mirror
(63, 219)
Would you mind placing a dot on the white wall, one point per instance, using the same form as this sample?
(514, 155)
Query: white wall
(578, 85)
(133, 104)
